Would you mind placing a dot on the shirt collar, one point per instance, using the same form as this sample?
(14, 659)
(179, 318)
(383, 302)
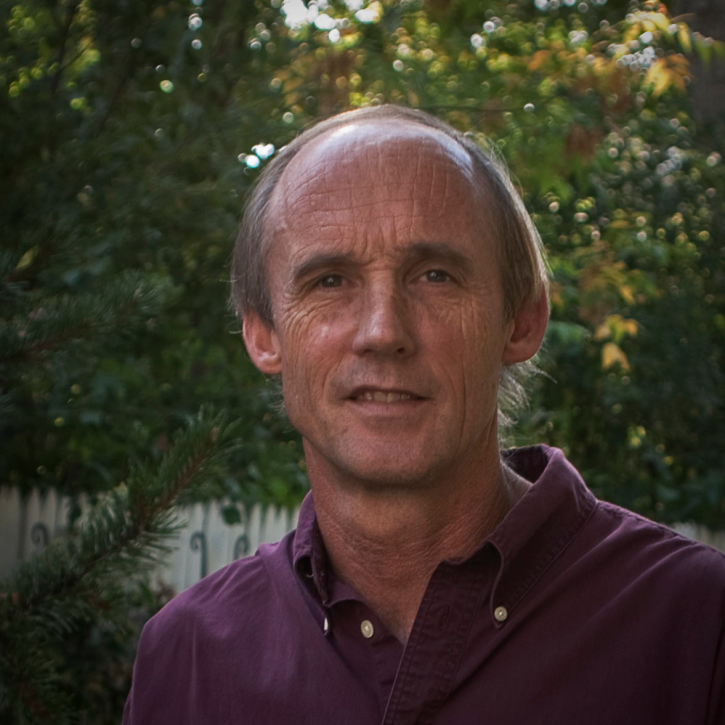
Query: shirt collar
(542, 523)
(308, 552)
(529, 539)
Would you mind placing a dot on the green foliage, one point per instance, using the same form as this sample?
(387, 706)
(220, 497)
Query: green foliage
(106, 178)
(87, 577)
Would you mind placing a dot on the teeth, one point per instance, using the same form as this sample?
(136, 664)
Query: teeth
(380, 397)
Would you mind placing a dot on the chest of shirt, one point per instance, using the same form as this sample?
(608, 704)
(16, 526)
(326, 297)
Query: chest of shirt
(552, 659)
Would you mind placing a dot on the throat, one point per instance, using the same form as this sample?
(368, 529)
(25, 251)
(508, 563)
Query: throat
(388, 546)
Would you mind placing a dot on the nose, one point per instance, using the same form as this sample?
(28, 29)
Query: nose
(384, 323)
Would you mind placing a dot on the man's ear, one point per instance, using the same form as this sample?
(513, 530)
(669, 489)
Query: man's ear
(527, 331)
(262, 344)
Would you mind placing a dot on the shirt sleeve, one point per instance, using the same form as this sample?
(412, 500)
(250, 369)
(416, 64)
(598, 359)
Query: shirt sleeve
(161, 678)
(135, 711)
(716, 705)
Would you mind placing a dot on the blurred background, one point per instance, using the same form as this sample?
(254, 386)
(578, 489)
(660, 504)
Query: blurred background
(130, 134)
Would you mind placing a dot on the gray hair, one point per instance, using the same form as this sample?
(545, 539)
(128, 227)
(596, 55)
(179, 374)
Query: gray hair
(520, 252)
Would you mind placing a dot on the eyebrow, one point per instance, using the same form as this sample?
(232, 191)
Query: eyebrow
(413, 252)
(319, 262)
(420, 251)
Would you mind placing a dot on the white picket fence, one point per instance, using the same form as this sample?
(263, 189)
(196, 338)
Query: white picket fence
(205, 544)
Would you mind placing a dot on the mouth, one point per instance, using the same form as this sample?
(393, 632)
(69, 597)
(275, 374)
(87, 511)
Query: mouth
(373, 395)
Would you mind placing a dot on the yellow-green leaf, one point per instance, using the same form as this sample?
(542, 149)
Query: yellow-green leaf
(613, 354)
(627, 295)
(603, 332)
(660, 20)
(27, 259)
(683, 35)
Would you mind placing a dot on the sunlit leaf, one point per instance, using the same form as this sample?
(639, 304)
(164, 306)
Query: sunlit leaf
(612, 355)
(704, 50)
(668, 72)
(539, 59)
(627, 294)
(27, 259)
(685, 37)
(604, 331)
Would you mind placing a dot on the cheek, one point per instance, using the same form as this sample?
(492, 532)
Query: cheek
(313, 346)
(465, 325)
(466, 343)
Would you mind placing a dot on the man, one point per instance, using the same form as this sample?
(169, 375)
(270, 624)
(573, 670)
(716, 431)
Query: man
(388, 273)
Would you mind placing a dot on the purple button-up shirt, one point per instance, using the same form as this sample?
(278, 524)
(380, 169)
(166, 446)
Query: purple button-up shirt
(572, 612)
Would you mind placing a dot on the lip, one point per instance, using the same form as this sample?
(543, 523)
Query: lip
(375, 395)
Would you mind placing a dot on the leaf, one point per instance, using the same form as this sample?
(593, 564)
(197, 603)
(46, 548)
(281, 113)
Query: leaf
(538, 59)
(660, 20)
(604, 331)
(633, 32)
(27, 259)
(685, 38)
(626, 293)
(617, 327)
(613, 354)
(666, 72)
(659, 76)
(703, 50)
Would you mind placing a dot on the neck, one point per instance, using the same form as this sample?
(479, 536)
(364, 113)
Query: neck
(386, 541)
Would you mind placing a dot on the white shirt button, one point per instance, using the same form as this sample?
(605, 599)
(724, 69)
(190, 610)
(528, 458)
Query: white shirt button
(366, 627)
(326, 625)
(500, 614)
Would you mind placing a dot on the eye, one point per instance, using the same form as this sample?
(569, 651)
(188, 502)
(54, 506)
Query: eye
(330, 281)
(437, 275)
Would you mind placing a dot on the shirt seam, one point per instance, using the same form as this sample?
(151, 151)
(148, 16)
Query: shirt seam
(623, 514)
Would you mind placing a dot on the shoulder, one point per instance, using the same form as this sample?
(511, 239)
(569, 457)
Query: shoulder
(247, 587)
(652, 550)
(198, 653)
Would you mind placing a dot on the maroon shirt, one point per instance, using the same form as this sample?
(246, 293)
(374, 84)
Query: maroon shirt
(572, 612)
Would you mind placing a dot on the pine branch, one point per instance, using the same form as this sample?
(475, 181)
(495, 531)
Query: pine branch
(59, 323)
(76, 579)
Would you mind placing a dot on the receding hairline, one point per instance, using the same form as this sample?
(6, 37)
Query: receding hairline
(405, 128)
(337, 139)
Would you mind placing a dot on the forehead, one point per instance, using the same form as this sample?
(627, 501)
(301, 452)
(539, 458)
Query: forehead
(377, 177)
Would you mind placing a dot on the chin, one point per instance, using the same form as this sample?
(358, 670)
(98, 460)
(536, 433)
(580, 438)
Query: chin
(381, 471)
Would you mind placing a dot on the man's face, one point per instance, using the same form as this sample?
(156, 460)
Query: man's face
(387, 304)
